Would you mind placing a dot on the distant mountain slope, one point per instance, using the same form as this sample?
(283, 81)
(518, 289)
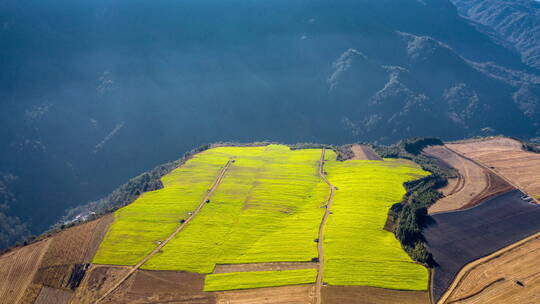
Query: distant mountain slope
(94, 92)
(516, 21)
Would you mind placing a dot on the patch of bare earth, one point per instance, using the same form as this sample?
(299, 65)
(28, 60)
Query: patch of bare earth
(473, 185)
(512, 276)
(264, 267)
(149, 286)
(17, 268)
(98, 280)
(53, 296)
(304, 294)
(506, 157)
(30, 294)
(69, 250)
(496, 185)
(364, 153)
(371, 295)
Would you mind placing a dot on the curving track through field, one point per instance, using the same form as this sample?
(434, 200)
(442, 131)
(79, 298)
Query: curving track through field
(171, 236)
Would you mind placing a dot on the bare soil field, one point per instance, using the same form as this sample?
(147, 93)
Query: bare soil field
(17, 268)
(471, 182)
(364, 153)
(53, 296)
(68, 250)
(474, 184)
(98, 280)
(298, 294)
(506, 157)
(496, 144)
(511, 276)
(264, 267)
(30, 294)
(457, 238)
(149, 286)
(76, 245)
(495, 186)
(371, 295)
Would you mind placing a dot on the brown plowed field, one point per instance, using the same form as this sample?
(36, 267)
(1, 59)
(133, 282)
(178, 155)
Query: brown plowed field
(76, 245)
(17, 268)
(98, 280)
(473, 185)
(371, 295)
(458, 238)
(364, 152)
(148, 286)
(506, 157)
(53, 296)
(495, 279)
(264, 267)
(298, 294)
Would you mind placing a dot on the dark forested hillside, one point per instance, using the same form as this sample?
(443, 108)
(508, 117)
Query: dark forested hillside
(517, 22)
(94, 92)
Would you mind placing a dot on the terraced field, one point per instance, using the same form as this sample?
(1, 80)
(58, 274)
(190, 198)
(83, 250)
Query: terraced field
(357, 249)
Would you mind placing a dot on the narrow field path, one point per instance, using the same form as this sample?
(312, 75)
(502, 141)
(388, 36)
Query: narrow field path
(319, 282)
(172, 235)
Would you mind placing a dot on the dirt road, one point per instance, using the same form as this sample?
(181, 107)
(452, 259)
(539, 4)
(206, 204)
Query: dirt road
(172, 235)
(319, 282)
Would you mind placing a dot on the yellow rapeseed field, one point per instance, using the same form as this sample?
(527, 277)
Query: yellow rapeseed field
(357, 249)
(139, 227)
(267, 209)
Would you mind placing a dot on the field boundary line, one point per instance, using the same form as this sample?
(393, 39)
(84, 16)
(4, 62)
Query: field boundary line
(319, 282)
(472, 265)
(496, 173)
(172, 235)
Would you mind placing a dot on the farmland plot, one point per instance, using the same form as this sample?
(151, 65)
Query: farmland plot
(357, 249)
(371, 295)
(68, 250)
(473, 185)
(508, 276)
(140, 226)
(244, 280)
(270, 295)
(506, 157)
(267, 209)
(459, 237)
(17, 268)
